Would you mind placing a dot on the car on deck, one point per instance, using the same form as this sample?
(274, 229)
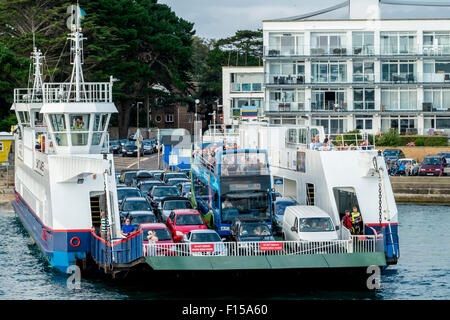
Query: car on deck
(204, 242)
(139, 217)
(134, 204)
(157, 193)
(278, 213)
(171, 203)
(125, 192)
(182, 221)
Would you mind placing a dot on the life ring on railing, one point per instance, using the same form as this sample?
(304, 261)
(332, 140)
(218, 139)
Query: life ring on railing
(78, 242)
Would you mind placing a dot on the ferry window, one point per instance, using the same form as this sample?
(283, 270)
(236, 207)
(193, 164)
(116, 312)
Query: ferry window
(96, 138)
(314, 132)
(61, 139)
(302, 136)
(249, 163)
(100, 122)
(292, 135)
(79, 139)
(79, 122)
(58, 122)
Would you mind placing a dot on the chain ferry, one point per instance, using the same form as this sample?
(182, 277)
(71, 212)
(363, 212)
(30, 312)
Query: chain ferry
(65, 176)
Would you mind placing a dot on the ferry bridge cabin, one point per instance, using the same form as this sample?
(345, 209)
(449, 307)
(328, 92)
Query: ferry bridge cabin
(237, 185)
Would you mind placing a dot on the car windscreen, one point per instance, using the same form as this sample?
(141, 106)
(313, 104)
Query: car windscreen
(188, 220)
(432, 161)
(280, 207)
(125, 193)
(175, 181)
(254, 204)
(315, 225)
(128, 176)
(165, 192)
(177, 204)
(205, 237)
(136, 205)
(254, 229)
(143, 218)
(147, 186)
(162, 234)
(174, 175)
(390, 152)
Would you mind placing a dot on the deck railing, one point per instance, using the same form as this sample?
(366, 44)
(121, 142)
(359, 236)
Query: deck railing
(120, 251)
(66, 92)
(267, 248)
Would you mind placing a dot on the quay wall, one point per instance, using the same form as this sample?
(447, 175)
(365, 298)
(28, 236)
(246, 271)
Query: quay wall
(421, 190)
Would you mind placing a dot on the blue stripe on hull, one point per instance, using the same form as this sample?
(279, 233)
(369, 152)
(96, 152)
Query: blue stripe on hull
(55, 246)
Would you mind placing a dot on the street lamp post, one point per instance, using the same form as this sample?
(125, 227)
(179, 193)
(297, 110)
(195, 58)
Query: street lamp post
(138, 141)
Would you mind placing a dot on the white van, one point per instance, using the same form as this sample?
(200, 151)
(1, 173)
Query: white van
(308, 223)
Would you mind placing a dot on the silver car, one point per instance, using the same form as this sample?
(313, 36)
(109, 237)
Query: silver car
(213, 245)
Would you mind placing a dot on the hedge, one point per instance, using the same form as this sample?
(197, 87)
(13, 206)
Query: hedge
(427, 141)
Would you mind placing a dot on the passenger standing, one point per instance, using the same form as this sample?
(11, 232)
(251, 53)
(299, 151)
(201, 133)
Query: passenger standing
(104, 226)
(356, 221)
(347, 221)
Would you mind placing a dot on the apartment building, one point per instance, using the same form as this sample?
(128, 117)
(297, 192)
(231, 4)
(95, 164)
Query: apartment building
(347, 67)
(241, 86)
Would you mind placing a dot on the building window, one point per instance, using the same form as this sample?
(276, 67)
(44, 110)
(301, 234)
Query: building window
(403, 124)
(398, 99)
(328, 44)
(436, 43)
(363, 71)
(328, 100)
(247, 82)
(286, 72)
(331, 71)
(398, 71)
(363, 43)
(398, 43)
(436, 71)
(363, 123)
(285, 44)
(439, 98)
(331, 125)
(364, 99)
(169, 117)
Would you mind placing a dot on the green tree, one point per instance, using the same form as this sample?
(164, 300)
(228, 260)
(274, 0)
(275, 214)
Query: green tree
(389, 139)
(142, 43)
(13, 73)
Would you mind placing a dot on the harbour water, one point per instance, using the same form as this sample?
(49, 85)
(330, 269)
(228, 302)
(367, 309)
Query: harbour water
(423, 271)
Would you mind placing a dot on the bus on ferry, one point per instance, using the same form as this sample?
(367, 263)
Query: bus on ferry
(233, 183)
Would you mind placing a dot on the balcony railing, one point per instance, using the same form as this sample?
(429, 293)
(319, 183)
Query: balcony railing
(329, 107)
(285, 79)
(277, 106)
(66, 92)
(366, 50)
(364, 78)
(246, 87)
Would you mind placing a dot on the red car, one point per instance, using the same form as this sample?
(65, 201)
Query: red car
(163, 247)
(181, 221)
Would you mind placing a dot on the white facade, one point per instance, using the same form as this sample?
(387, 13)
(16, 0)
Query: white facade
(360, 72)
(241, 86)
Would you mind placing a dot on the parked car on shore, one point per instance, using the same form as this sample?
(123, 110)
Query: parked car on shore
(114, 146)
(131, 149)
(446, 155)
(413, 170)
(393, 154)
(433, 166)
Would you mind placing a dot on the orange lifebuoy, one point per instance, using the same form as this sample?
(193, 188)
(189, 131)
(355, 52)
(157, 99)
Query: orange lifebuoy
(75, 245)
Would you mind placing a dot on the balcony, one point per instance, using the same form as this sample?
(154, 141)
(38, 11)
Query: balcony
(286, 79)
(283, 107)
(365, 50)
(246, 87)
(329, 106)
(364, 78)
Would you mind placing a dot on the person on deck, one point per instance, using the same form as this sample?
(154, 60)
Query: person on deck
(128, 229)
(347, 220)
(356, 221)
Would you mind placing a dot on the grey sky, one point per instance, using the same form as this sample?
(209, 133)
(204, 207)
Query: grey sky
(222, 18)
